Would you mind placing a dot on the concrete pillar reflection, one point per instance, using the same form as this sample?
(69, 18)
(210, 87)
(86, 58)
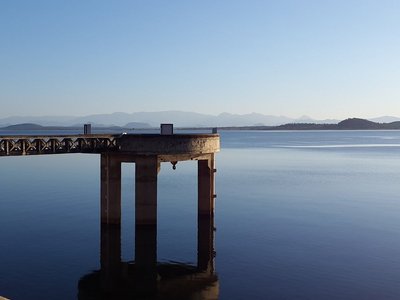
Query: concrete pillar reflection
(147, 169)
(146, 260)
(206, 170)
(110, 255)
(110, 189)
(205, 244)
(145, 278)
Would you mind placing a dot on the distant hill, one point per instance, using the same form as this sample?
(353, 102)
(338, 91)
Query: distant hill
(33, 126)
(305, 126)
(137, 125)
(356, 123)
(24, 126)
(98, 128)
(360, 124)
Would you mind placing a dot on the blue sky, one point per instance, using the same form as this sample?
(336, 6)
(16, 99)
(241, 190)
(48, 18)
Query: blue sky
(325, 59)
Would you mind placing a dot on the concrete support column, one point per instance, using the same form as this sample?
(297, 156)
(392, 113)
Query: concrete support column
(110, 189)
(147, 169)
(205, 244)
(206, 170)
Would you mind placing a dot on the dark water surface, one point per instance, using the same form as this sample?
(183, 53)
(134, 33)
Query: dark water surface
(299, 215)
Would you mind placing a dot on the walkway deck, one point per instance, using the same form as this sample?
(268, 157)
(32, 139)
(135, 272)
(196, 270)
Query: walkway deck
(130, 144)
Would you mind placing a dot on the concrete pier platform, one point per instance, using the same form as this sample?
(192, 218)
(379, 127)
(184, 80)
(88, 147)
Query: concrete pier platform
(148, 152)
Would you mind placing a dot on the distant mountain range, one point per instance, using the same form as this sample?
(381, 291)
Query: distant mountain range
(348, 124)
(178, 118)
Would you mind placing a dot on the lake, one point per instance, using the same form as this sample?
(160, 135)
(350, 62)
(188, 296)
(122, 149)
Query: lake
(299, 215)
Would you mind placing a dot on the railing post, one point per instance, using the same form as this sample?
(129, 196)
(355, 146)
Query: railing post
(7, 147)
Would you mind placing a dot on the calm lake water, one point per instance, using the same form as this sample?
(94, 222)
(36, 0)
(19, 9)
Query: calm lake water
(299, 215)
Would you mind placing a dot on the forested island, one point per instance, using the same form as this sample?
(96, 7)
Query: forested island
(348, 124)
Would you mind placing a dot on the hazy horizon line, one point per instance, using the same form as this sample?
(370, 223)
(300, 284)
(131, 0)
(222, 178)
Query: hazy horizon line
(300, 116)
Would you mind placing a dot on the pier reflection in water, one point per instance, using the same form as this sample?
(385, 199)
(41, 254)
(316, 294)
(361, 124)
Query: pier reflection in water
(145, 278)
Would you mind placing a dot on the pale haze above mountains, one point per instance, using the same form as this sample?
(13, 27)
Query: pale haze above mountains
(178, 118)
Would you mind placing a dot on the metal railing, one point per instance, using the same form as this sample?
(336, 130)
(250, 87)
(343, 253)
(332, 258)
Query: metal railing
(35, 145)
